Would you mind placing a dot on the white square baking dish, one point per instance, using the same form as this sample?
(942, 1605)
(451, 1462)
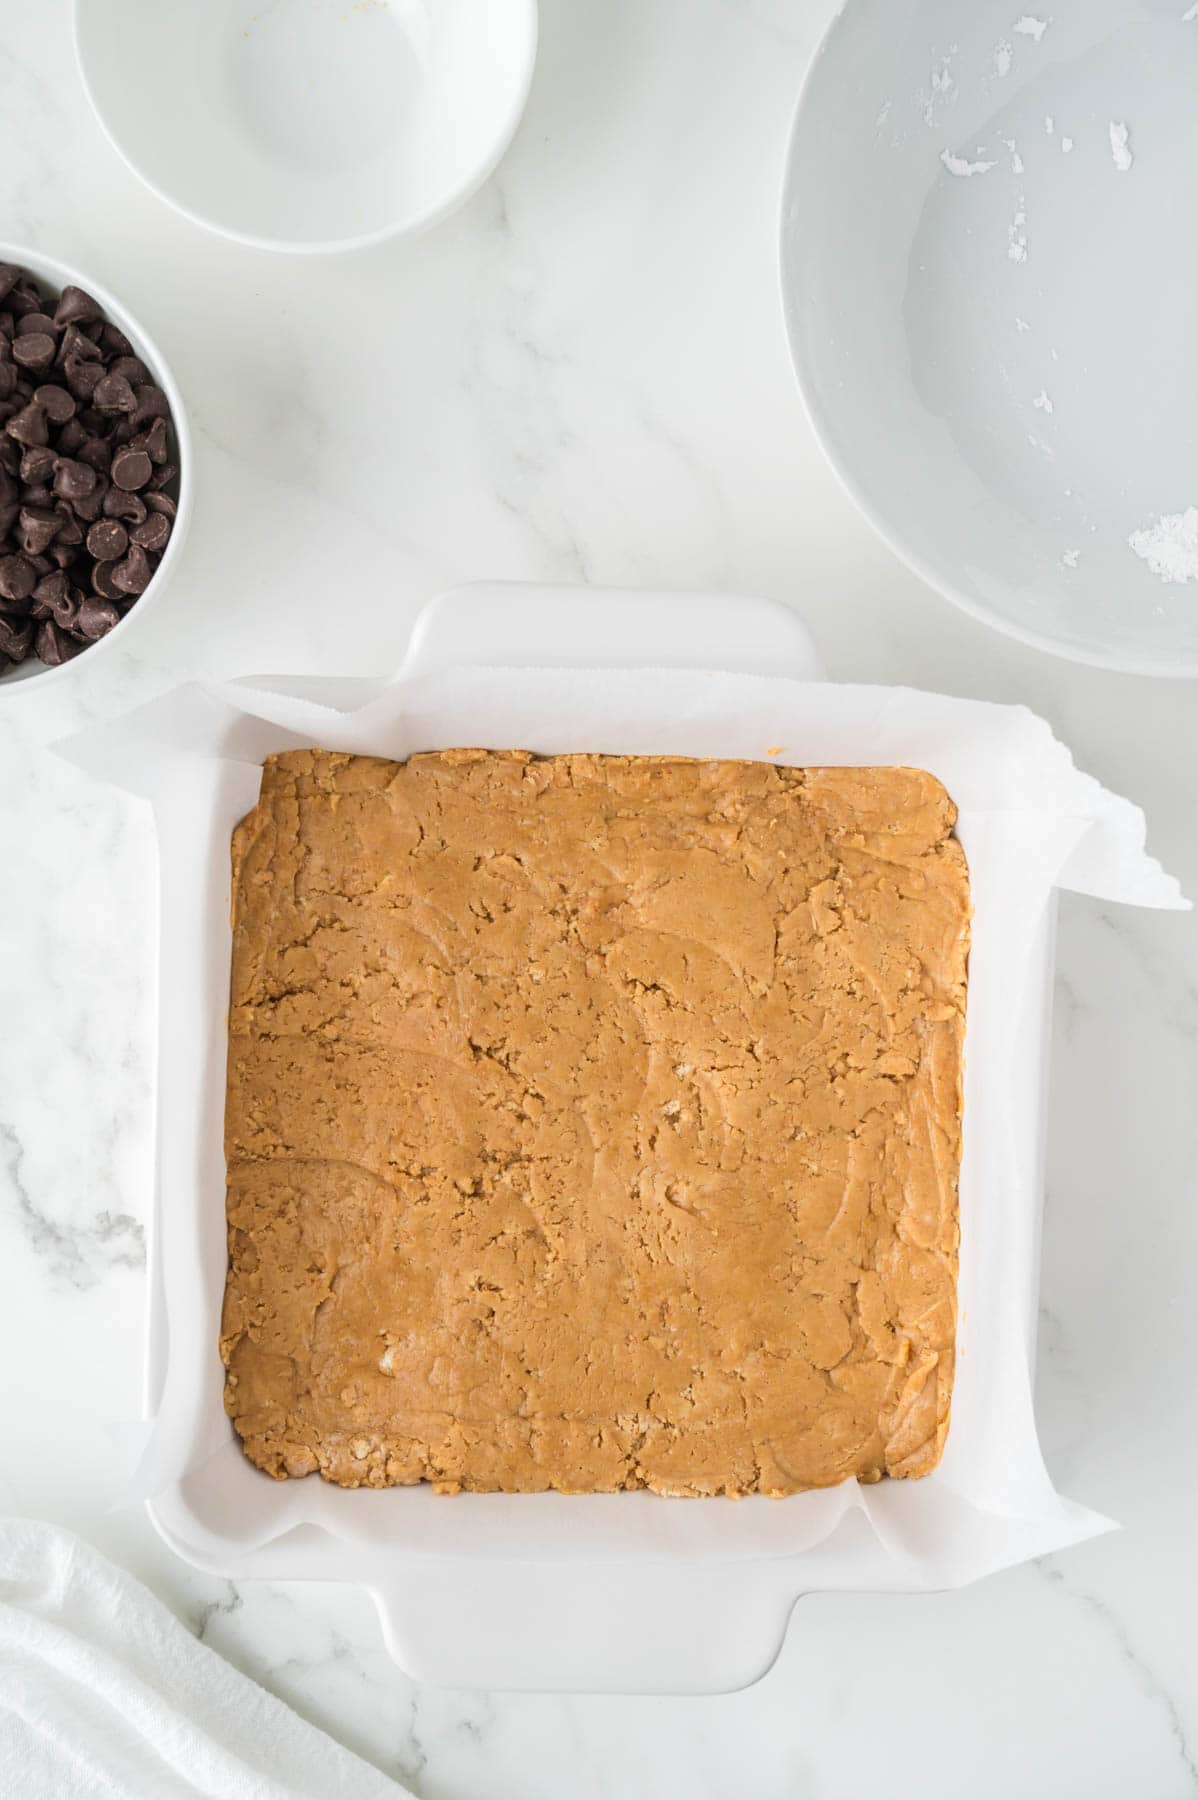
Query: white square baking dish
(625, 1592)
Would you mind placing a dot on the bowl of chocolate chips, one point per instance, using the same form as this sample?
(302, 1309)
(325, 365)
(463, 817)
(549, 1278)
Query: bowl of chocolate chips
(95, 468)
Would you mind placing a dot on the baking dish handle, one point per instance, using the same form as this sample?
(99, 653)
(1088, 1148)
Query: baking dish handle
(599, 1627)
(526, 625)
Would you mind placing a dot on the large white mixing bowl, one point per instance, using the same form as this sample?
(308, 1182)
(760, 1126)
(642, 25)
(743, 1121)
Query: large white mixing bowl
(990, 264)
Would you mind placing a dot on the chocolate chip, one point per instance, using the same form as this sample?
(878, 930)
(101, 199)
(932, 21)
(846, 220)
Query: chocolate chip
(35, 321)
(103, 583)
(76, 343)
(153, 534)
(114, 339)
(82, 376)
(132, 574)
(76, 306)
(90, 506)
(161, 503)
(114, 395)
(37, 464)
(9, 277)
(130, 507)
(56, 402)
(53, 646)
(17, 577)
(96, 618)
(29, 425)
(24, 298)
(153, 441)
(96, 453)
(15, 639)
(107, 540)
(131, 469)
(152, 403)
(62, 605)
(71, 438)
(164, 476)
(51, 590)
(69, 531)
(35, 351)
(73, 480)
(39, 527)
(37, 493)
(8, 380)
(133, 370)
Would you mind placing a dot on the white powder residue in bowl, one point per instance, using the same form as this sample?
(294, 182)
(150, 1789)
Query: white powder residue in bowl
(1002, 57)
(961, 165)
(1013, 153)
(1066, 145)
(1191, 13)
(1170, 545)
(1033, 28)
(1050, 124)
(1043, 402)
(1017, 233)
(943, 88)
(1071, 558)
(1121, 146)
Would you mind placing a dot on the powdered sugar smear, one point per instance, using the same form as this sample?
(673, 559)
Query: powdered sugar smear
(1002, 58)
(1121, 149)
(1188, 17)
(1170, 545)
(1071, 558)
(961, 165)
(1033, 28)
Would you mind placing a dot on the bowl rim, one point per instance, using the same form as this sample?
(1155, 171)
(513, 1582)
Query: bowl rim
(51, 270)
(826, 435)
(412, 226)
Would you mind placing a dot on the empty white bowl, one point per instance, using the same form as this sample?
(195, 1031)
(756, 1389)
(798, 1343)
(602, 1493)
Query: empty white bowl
(54, 276)
(309, 125)
(989, 270)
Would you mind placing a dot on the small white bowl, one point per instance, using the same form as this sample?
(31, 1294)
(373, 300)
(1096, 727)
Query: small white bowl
(309, 125)
(988, 277)
(54, 276)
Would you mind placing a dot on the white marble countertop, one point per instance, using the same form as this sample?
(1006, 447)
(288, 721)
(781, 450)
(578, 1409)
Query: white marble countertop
(583, 377)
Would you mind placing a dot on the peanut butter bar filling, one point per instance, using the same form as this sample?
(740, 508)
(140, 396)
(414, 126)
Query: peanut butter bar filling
(593, 1122)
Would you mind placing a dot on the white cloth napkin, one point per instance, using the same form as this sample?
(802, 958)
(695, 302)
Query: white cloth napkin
(104, 1695)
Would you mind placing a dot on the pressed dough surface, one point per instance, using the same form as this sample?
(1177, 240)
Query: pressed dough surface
(593, 1122)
